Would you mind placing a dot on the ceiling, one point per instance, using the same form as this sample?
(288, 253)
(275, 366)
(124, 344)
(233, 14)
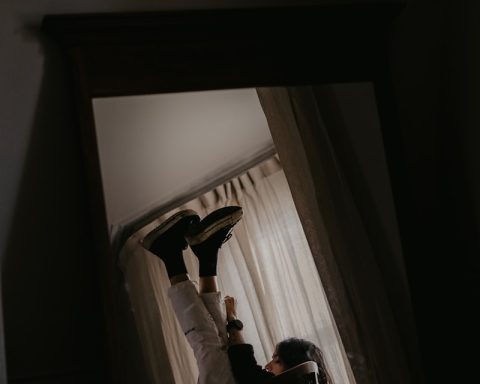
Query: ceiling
(154, 149)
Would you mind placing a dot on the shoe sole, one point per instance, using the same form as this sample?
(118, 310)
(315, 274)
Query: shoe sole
(166, 225)
(230, 219)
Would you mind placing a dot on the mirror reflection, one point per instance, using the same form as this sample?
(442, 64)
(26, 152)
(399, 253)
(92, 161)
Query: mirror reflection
(204, 164)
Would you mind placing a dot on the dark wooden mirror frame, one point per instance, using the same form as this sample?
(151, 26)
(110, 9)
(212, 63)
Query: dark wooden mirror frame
(160, 52)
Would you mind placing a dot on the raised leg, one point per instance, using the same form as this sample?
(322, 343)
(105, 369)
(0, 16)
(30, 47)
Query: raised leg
(167, 242)
(202, 334)
(206, 238)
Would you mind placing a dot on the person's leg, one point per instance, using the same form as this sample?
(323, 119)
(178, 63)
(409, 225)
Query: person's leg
(207, 236)
(202, 334)
(205, 239)
(214, 304)
(167, 242)
(212, 299)
(208, 284)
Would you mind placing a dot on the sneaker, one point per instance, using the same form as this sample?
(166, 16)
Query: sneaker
(170, 235)
(215, 229)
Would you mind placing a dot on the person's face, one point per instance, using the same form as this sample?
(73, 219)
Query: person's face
(275, 366)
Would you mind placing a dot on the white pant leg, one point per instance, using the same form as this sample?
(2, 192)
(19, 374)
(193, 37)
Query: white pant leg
(214, 304)
(202, 334)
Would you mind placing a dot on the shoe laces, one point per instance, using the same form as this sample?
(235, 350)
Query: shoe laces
(228, 236)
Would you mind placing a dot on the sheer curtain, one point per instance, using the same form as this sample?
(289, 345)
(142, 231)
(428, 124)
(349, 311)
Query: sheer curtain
(266, 265)
(343, 202)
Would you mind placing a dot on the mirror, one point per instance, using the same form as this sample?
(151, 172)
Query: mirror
(124, 55)
(160, 151)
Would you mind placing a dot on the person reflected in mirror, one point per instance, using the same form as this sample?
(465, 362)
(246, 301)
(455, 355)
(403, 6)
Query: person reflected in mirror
(209, 323)
(199, 310)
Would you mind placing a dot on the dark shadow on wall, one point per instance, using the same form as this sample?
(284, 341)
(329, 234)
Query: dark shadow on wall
(53, 320)
(436, 85)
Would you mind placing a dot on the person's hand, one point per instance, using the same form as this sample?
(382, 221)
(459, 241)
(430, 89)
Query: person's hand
(230, 307)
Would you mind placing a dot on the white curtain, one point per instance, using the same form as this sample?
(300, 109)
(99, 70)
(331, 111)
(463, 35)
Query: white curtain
(266, 265)
(346, 209)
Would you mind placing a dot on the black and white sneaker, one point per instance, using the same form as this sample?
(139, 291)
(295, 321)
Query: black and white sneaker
(170, 235)
(215, 229)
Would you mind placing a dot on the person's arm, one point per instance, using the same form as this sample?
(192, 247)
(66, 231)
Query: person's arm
(242, 359)
(235, 336)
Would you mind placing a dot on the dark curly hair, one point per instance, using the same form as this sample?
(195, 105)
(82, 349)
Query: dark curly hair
(294, 351)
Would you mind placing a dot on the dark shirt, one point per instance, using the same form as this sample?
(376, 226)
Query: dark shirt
(244, 366)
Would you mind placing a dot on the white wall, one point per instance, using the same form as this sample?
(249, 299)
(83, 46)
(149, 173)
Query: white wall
(155, 149)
